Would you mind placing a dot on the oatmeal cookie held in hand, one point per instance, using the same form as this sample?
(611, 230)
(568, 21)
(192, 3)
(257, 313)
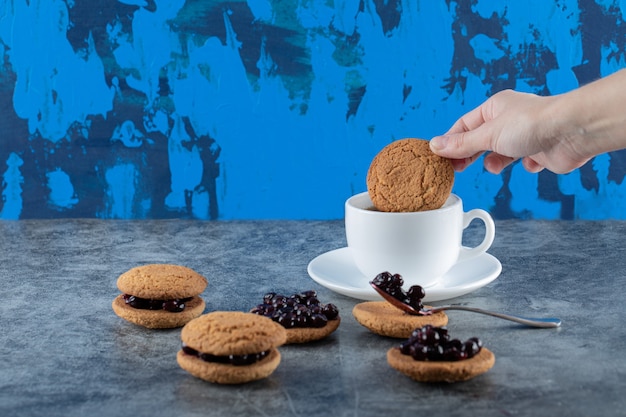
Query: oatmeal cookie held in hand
(407, 176)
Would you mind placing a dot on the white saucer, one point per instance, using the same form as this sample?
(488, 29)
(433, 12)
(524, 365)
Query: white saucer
(336, 271)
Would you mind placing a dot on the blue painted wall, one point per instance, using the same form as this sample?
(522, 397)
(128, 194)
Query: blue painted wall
(274, 109)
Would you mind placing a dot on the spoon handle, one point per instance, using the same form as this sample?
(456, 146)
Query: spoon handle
(533, 322)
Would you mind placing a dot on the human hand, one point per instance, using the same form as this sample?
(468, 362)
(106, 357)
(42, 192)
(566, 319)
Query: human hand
(512, 125)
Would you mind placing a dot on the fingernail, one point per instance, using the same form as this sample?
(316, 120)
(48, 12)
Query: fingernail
(438, 143)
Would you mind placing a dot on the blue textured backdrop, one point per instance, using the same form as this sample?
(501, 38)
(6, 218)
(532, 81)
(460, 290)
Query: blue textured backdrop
(274, 109)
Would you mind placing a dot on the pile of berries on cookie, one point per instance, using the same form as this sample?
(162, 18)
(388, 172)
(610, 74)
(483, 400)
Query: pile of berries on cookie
(297, 310)
(303, 315)
(431, 343)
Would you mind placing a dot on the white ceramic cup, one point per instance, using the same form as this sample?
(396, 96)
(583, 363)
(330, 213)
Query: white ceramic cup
(421, 246)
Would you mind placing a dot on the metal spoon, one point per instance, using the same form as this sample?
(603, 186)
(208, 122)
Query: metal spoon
(534, 322)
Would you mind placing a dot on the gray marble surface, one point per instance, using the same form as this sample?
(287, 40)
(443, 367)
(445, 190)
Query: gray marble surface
(64, 352)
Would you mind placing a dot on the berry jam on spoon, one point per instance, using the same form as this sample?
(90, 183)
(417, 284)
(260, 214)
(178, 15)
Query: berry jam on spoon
(390, 288)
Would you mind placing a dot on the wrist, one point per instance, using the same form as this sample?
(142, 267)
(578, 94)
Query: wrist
(592, 118)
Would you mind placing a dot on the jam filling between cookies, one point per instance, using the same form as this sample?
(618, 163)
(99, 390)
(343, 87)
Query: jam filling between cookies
(173, 306)
(236, 360)
(431, 343)
(302, 310)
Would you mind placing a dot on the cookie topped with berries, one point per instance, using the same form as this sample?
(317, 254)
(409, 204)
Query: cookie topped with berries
(431, 355)
(303, 315)
(160, 296)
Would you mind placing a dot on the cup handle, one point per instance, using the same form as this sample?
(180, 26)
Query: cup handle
(490, 233)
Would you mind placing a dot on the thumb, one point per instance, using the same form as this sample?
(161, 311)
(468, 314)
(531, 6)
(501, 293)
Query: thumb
(460, 145)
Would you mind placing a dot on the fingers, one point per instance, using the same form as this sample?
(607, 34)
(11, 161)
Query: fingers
(461, 145)
(531, 165)
(495, 162)
(465, 139)
(485, 128)
(470, 121)
(460, 164)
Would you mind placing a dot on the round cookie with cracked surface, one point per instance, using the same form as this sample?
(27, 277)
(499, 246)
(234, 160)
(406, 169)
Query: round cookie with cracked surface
(212, 341)
(152, 281)
(384, 319)
(441, 371)
(160, 296)
(406, 176)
